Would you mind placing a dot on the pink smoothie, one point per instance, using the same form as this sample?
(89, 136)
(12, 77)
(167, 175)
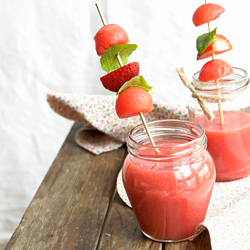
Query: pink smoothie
(169, 204)
(229, 144)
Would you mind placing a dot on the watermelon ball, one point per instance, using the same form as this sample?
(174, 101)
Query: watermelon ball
(133, 100)
(206, 13)
(115, 79)
(109, 35)
(214, 69)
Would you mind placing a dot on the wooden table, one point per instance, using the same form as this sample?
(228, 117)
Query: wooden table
(77, 207)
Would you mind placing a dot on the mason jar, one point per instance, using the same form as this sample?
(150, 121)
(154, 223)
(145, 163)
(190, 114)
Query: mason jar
(169, 186)
(228, 134)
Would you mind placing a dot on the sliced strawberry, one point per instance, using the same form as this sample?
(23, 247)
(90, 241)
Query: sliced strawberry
(219, 45)
(115, 79)
(214, 69)
(133, 100)
(109, 35)
(206, 13)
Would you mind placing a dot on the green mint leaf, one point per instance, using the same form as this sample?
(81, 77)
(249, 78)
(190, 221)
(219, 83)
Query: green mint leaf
(137, 81)
(203, 41)
(109, 60)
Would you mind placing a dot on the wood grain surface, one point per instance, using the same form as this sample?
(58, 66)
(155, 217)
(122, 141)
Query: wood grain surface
(77, 208)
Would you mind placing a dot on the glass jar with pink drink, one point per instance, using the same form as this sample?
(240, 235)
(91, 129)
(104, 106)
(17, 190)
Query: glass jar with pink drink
(228, 133)
(169, 186)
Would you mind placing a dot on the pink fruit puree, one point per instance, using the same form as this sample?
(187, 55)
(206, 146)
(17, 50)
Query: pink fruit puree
(229, 144)
(169, 198)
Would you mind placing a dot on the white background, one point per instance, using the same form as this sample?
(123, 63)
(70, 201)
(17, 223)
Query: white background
(47, 46)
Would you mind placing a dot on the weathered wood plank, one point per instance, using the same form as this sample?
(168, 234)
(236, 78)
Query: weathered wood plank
(69, 208)
(202, 242)
(121, 230)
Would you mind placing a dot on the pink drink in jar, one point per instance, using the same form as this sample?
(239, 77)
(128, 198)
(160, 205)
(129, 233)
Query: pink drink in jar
(229, 145)
(169, 189)
(228, 142)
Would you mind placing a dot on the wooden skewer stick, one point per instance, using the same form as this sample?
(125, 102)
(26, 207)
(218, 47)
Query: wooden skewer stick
(100, 14)
(140, 113)
(217, 86)
(148, 132)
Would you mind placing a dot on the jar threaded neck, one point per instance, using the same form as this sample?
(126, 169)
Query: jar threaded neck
(174, 139)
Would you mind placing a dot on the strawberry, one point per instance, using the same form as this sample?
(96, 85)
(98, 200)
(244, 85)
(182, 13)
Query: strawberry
(115, 79)
(219, 45)
(206, 13)
(214, 69)
(133, 100)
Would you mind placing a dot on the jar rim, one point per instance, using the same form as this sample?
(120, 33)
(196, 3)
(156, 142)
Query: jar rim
(236, 81)
(192, 133)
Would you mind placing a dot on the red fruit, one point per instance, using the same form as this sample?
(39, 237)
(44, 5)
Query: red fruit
(206, 13)
(133, 100)
(109, 35)
(115, 79)
(214, 69)
(219, 45)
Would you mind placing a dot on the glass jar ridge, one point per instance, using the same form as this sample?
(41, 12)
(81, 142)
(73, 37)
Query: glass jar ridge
(230, 87)
(188, 140)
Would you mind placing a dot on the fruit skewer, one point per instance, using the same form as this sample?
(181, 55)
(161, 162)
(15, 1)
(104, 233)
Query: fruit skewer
(211, 44)
(217, 84)
(121, 65)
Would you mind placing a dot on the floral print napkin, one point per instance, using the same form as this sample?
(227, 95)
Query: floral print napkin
(97, 113)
